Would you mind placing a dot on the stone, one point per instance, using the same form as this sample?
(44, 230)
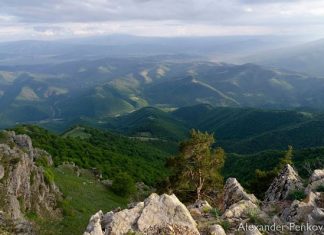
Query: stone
(316, 180)
(234, 192)
(216, 229)
(317, 175)
(286, 182)
(125, 220)
(25, 182)
(240, 210)
(94, 226)
(23, 141)
(299, 211)
(163, 214)
(160, 211)
(2, 172)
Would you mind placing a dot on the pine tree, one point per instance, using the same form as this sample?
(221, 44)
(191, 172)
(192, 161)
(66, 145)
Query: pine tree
(197, 167)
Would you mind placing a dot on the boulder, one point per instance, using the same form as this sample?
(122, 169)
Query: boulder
(317, 175)
(25, 182)
(2, 172)
(299, 211)
(286, 182)
(94, 226)
(163, 214)
(240, 210)
(23, 141)
(234, 192)
(316, 180)
(216, 229)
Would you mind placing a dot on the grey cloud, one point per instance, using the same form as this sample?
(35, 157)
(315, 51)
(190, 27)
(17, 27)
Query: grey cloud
(54, 15)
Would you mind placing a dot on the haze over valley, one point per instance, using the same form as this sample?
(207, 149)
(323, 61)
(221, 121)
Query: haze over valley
(197, 116)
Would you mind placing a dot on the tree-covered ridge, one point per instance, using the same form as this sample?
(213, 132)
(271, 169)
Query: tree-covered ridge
(109, 153)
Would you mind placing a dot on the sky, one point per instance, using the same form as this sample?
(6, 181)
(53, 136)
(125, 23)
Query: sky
(53, 19)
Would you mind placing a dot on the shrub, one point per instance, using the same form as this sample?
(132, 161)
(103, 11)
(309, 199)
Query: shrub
(296, 195)
(320, 188)
(225, 224)
(254, 217)
(215, 212)
(123, 185)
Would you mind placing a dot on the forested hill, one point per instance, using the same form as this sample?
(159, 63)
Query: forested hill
(108, 153)
(238, 130)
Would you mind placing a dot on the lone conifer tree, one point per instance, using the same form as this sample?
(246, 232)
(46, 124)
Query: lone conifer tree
(197, 166)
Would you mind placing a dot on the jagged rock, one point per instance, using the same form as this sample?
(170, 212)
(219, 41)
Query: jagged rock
(1, 172)
(317, 175)
(22, 141)
(163, 214)
(234, 192)
(286, 182)
(240, 210)
(316, 180)
(125, 220)
(216, 230)
(94, 226)
(299, 211)
(316, 217)
(24, 188)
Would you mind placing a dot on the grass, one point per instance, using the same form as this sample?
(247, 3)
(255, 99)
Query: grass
(77, 132)
(83, 196)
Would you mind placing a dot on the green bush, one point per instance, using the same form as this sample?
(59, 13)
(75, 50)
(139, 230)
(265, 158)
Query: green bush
(254, 217)
(123, 185)
(296, 195)
(215, 212)
(225, 224)
(320, 188)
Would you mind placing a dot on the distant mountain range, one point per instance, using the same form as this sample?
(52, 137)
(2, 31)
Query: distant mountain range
(110, 87)
(238, 130)
(306, 58)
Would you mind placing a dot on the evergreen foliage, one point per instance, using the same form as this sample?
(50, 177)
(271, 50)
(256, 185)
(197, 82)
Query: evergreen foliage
(196, 169)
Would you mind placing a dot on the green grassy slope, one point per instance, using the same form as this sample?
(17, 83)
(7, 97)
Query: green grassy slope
(83, 196)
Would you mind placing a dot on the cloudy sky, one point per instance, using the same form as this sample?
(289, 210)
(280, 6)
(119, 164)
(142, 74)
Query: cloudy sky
(50, 19)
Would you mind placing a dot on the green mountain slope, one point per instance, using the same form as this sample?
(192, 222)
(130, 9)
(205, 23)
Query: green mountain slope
(107, 152)
(115, 86)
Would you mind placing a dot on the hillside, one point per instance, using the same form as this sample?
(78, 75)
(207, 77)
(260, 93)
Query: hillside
(46, 94)
(238, 130)
(108, 153)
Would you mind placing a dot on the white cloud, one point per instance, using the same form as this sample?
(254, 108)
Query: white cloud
(65, 18)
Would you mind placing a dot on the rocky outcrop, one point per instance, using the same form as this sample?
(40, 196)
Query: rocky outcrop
(286, 182)
(23, 185)
(163, 214)
(1, 172)
(234, 192)
(309, 211)
(298, 211)
(315, 181)
(216, 230)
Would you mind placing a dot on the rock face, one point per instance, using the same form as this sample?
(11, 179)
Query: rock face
(298, 211)
(23, 186)
(163, 214)
(316, 180)
(234, 192)
(216, 230)
(286, 182)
